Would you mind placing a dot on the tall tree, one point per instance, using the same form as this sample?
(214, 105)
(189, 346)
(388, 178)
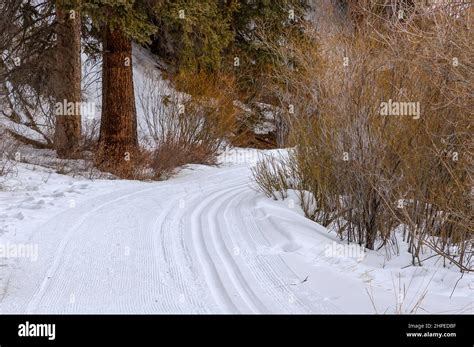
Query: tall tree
(68, 81)
(118, 140)
(120, 23)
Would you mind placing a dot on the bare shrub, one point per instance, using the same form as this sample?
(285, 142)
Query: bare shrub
(8, 155)
(369, 173)
(272, 176)
(182, 129)
(91, 132)
(172, 155)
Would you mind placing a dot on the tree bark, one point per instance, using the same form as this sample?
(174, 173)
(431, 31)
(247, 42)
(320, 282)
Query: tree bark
(118, 142)
(67, 135)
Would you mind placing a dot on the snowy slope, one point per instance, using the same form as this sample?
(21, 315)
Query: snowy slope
(203, 242)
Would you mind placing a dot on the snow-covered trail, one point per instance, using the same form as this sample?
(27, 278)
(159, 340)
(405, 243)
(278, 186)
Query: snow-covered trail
(194, 244)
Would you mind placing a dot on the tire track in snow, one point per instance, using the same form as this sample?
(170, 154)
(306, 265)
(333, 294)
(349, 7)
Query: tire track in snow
(253, 303)
(262, 267)
(178, 270)
(175, 253)
(209, 267)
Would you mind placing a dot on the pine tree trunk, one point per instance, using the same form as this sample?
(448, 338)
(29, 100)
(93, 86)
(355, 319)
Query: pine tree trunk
(67, 135)
(118, 141)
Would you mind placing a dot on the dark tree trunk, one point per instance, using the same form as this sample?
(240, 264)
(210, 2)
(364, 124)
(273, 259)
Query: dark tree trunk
(118, 143)
(67, 134)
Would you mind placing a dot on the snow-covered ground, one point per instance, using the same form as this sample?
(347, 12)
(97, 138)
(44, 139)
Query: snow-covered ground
(205, 241)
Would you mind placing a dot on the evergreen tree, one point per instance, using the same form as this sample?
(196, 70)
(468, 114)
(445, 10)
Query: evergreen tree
(214, 34)
(259, 25)
(120, 22)
(193, 34)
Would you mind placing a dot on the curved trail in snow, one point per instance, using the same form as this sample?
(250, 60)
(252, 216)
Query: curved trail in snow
(194, 244)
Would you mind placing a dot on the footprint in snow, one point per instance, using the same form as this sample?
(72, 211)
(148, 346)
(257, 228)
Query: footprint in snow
(32, 188)
(35, 206)
(19, 216)
(28, 199)
(290, 247)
